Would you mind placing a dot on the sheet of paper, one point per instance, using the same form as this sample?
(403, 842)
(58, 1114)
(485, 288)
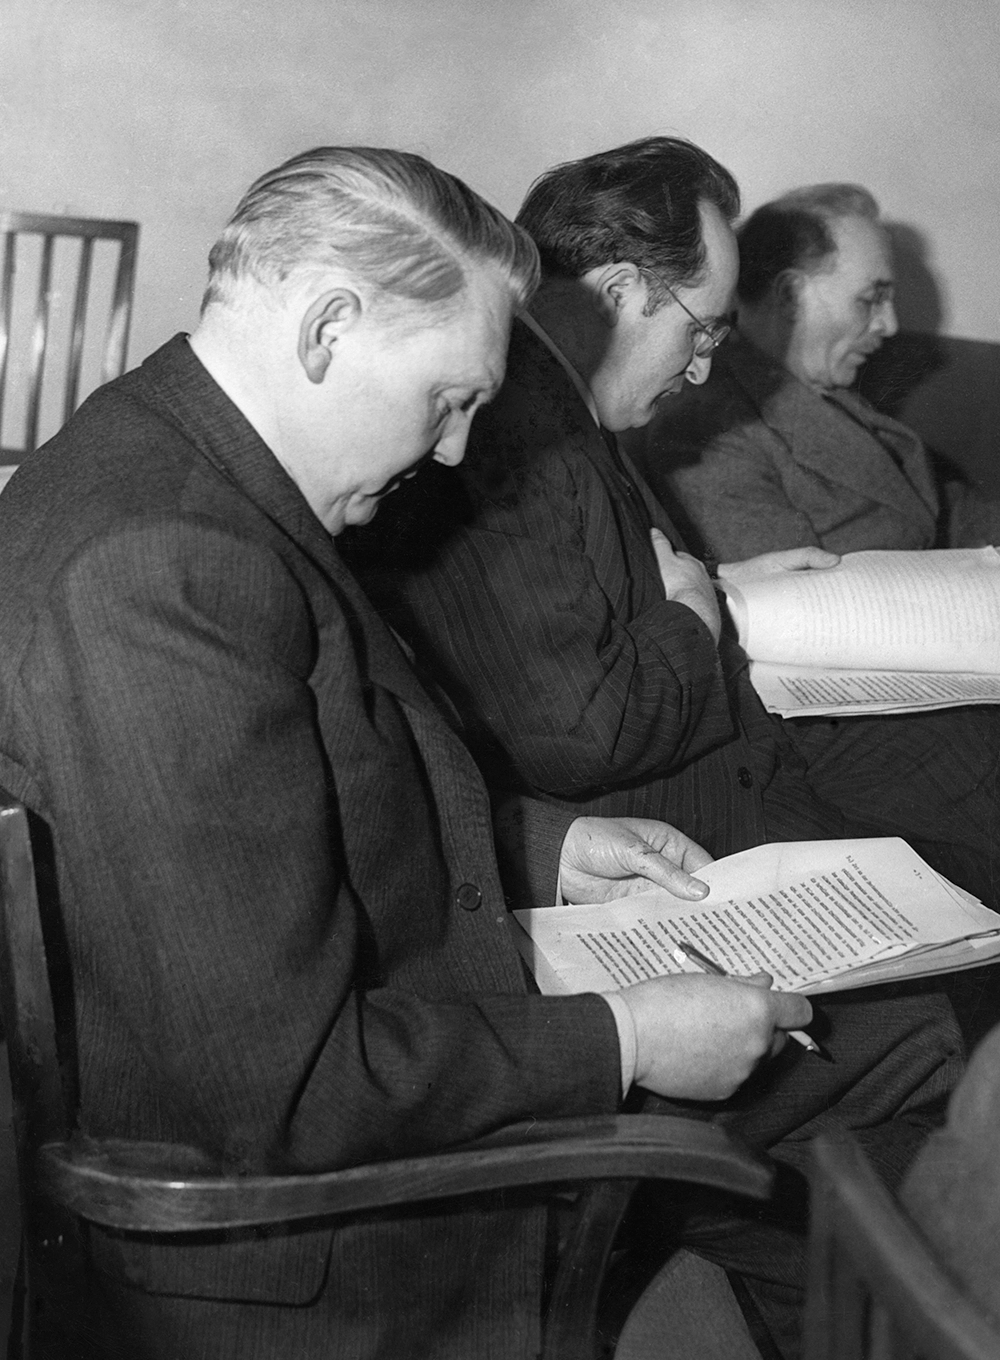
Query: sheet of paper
(920, 611)
(803, 911)
(944, 958)
(809, 691)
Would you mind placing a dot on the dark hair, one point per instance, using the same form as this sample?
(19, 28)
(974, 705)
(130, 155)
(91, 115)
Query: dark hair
(794, 232)
(390, 217)
(639, 202)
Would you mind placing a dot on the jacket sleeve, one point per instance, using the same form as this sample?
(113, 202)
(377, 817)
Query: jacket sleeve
(571, 669)
(529, 838)
(199, 838)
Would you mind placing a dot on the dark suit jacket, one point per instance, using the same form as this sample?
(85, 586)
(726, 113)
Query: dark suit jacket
(528, 576)
(275, 863)
(755, 460)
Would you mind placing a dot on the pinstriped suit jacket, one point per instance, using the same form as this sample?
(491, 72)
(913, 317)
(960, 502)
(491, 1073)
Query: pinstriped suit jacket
(262, 828)
(528, 577)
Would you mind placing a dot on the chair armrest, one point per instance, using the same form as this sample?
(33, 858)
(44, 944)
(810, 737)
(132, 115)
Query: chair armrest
(855, 1220)
(156, 1187)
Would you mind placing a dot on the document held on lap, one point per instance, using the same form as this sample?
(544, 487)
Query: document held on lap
(882, 632)
(819, 916)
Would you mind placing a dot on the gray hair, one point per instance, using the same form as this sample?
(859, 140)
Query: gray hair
(393, 219)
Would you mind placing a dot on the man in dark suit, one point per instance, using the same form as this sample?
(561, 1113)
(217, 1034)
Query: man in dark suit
(274, 854)
(583, 648)
(776, 450)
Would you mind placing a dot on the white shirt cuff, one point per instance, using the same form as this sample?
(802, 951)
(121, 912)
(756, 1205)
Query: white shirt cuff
(625, 1025)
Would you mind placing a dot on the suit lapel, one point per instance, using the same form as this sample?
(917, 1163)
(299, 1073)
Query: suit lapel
(832, 437)
(597, 444)
(897, 437)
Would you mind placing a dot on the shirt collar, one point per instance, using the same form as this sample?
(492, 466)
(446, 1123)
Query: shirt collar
(585, 393)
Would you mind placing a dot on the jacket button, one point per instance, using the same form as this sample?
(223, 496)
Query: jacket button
(745, 777)
(468, 897)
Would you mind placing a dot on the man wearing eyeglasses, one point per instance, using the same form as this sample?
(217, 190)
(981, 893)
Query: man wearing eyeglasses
(542, 579)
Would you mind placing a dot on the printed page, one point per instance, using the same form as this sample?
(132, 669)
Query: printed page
(916, 611)
(810, 691)
(942, 958)
(803, 911)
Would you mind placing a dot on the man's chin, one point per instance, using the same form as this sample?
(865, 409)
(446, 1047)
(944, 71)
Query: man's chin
(668, 394)
(363, 510)
(858, 360)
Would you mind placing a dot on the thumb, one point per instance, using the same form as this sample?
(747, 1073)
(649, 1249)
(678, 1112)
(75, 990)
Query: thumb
(758, 979)
(791, 1011)
(810, 558)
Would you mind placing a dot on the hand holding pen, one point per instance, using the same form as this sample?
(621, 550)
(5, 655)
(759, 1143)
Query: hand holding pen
(684, 950)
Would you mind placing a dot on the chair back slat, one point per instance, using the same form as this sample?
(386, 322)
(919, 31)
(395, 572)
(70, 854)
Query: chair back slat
(48, 350)
(116, 345)
(6, 297)
(39, 344)
(76, 335)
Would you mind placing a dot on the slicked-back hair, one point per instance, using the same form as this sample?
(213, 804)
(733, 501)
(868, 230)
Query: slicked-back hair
(795, 231)
(390, 218)
(639, 202)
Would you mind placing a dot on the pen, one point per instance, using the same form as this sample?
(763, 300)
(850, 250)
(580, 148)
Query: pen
(688, 951)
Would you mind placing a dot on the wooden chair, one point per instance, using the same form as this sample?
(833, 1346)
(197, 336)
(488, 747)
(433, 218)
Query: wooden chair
(876, 1291)
(46, 355)
(67, 1179)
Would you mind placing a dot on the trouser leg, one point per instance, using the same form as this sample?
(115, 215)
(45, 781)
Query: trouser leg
(896, 1058)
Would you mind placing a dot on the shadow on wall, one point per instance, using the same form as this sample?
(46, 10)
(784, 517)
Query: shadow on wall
(947, 389)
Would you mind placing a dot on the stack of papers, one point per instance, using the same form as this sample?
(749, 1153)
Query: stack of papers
(881, 632)
(819, 916)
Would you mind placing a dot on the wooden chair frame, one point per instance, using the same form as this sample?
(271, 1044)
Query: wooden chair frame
(67, 1178)
(88, 230)
(876, 1291)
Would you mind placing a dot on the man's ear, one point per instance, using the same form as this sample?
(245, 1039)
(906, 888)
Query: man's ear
(787, 289)
(328, 317)
(610, 287)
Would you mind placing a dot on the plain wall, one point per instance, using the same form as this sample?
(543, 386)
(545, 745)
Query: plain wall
(164, 110)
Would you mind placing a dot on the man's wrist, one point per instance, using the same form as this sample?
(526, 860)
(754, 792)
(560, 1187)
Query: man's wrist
(627, 1041)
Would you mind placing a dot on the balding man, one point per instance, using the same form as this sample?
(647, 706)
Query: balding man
(285, 925)
(776, 450)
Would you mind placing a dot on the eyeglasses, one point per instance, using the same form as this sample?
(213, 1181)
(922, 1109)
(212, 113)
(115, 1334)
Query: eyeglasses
(713, 334)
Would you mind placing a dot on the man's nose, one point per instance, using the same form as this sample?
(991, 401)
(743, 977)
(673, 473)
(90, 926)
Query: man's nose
(885, 320)
(450, 448)
(698, 369)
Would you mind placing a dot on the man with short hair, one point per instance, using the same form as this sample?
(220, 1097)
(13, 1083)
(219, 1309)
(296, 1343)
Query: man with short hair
(776, 450)
(584, 647)
(286, 930)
